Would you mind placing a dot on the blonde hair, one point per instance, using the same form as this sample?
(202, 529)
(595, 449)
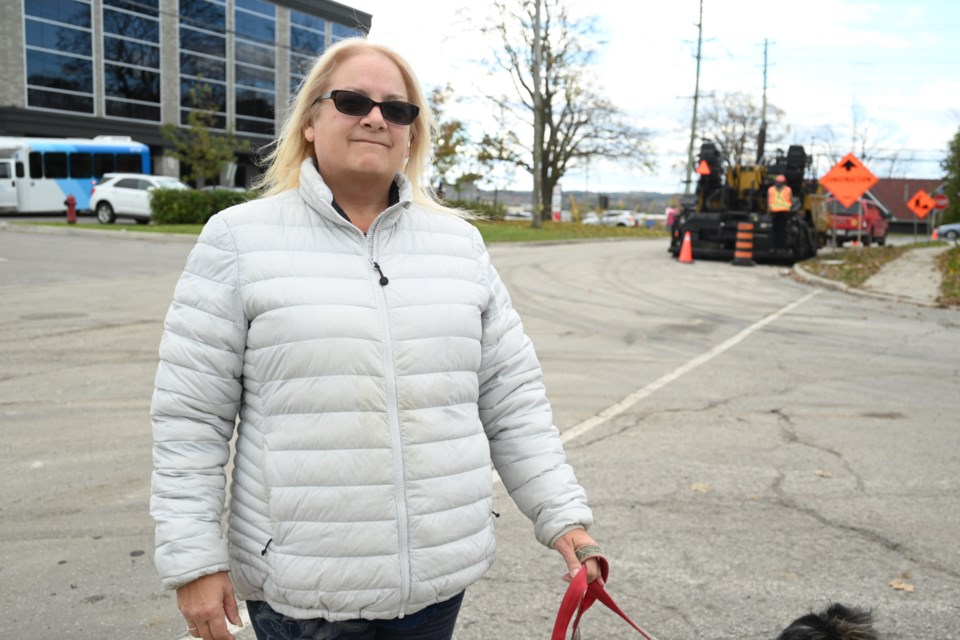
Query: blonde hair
(292, 148)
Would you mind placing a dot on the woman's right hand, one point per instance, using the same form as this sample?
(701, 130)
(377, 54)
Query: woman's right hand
(205, 604)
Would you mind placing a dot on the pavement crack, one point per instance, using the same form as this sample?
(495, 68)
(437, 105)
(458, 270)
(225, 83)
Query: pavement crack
(789, 434)
(867, 534)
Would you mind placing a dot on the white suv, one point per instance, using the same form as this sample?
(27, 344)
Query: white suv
(127, 195)
(614, 218)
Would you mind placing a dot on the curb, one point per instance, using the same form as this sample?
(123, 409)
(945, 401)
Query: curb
(80, 231)
(804, 275)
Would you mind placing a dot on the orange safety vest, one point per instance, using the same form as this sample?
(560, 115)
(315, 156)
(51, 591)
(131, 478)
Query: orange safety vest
(779, 200)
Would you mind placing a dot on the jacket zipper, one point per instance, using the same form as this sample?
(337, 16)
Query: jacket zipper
(393, 420)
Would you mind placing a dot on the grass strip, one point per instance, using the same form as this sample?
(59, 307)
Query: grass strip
(501, 231)
(855, 265)
(949, 265)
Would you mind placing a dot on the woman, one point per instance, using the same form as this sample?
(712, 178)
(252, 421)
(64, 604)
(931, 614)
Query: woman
(377, 367)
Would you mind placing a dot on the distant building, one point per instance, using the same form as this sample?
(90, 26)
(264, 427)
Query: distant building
(123, 67)
(893, 194)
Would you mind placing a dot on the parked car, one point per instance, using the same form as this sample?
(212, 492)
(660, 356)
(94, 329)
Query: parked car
(949, 231)
(127, 195)
(220, 187)
(615, 218)
(862, 221)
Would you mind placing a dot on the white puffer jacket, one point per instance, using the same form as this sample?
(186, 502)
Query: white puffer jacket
(369, 413)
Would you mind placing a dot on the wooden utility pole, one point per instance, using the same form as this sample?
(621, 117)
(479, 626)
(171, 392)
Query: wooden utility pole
(537, 122)
(696, 98)
(762, 136)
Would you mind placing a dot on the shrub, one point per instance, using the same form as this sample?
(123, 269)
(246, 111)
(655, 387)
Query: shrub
(483, 209)
(181, 206)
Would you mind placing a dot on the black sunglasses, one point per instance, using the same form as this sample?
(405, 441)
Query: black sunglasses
(352, 103)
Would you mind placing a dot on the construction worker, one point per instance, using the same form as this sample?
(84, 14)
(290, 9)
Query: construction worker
(780, 204)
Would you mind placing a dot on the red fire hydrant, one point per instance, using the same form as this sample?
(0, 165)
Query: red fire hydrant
(71, 204)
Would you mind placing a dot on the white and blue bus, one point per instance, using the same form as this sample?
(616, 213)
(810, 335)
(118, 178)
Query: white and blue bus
(37, 174)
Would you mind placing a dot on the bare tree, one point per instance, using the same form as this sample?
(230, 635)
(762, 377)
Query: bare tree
(733, 121)
(874, 144)
(578, 122)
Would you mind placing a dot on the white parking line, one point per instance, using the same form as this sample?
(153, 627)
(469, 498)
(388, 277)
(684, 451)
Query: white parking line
(615, 410)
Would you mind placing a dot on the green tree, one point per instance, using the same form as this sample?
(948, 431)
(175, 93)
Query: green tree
(203, 151)
(451, 138)
(497, 156)
(951, 168)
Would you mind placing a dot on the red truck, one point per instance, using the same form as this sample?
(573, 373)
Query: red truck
(862, 222)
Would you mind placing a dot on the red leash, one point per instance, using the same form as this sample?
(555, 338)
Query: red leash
(580, 596)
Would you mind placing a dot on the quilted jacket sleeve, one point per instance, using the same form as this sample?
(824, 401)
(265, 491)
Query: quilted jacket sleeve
(524, 444)
(194, 409)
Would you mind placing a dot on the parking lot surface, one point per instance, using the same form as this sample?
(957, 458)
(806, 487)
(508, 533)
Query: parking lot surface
(753, 446)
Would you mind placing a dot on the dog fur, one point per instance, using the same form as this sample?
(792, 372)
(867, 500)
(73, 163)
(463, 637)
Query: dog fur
(836, 622)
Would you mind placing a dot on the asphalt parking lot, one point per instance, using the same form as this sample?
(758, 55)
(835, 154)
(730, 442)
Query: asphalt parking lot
(753, 447)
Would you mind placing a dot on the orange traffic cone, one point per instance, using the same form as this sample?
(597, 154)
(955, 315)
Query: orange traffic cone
(935, 236)
(686, 249)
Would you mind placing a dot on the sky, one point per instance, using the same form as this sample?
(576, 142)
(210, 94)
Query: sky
(887, 69)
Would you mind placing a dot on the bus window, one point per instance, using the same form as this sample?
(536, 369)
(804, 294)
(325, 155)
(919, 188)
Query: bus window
(103, 163)
(81, 165)
(19, 169)
(36, 164)
(5, 171)
(54, 164)
(129, 163)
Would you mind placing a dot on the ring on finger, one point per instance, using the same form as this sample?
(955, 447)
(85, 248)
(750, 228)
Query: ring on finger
(588, 551)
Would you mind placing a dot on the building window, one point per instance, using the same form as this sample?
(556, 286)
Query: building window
(131, 59)
(203, 49)
(254, 68)
(340, 32)
(58, 53)
(308, 39)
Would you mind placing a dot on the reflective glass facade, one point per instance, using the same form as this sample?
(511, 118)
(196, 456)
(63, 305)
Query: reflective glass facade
(308, 39)
(255, 54)
(58, 43)
(203, 58)
(131, 59)
(141, 63)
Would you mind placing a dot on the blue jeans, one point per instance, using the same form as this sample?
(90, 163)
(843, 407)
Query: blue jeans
(436, 622)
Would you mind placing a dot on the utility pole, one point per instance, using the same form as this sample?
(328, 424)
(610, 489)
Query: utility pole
(537, 122)
(762, 136)
(696, 98)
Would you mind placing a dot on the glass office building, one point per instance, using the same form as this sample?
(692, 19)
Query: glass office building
(124, 67)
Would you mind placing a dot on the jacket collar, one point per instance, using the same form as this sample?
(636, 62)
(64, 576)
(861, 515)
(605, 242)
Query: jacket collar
(318, 196)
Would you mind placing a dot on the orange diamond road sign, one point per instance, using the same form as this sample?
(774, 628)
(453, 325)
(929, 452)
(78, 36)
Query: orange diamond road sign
(848, 180)
(921, 203)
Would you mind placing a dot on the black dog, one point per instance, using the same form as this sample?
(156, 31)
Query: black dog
(837, 622)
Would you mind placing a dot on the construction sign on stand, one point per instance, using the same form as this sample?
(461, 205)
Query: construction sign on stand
(921, 203)
(848, 180)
